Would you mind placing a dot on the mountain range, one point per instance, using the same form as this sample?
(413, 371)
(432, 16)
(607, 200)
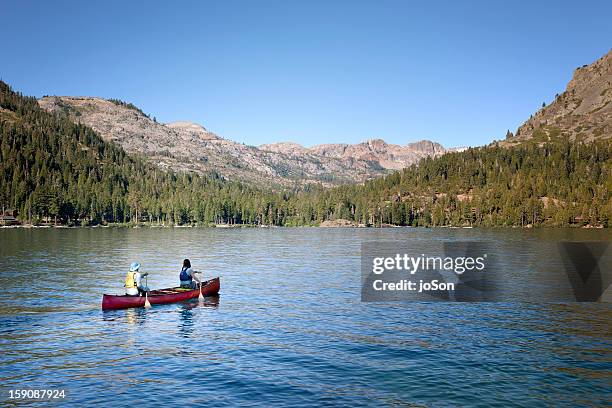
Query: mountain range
(188, 146)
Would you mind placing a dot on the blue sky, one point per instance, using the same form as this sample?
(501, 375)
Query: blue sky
(460, 73)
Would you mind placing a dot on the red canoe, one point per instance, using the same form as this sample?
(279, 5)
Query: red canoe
(159, 297)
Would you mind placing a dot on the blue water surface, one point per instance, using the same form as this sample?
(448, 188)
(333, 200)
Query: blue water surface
(288, 328)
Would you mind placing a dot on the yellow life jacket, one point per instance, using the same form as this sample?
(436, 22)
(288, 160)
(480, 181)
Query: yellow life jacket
(130, 282)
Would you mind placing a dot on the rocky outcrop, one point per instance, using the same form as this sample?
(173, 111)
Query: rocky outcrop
(188, 146)
(193, 130)
(339, 223)
(583, 111)
(290, 148)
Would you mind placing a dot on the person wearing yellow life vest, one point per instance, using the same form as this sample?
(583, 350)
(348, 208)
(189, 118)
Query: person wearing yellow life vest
(133, 281)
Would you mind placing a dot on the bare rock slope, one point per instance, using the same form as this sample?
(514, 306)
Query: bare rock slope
(189, 146)
(583, 111)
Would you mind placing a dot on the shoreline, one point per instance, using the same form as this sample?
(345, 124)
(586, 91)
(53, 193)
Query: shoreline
(240, 226)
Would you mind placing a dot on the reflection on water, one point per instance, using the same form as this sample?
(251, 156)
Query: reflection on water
(186, 313)
(290, 328)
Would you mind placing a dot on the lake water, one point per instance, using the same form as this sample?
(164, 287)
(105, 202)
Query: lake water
(288, 327)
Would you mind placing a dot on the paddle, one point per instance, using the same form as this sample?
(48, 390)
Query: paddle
(200, 297)
(147, 304)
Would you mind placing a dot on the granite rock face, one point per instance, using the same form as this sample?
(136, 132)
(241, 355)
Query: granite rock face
(583, 111)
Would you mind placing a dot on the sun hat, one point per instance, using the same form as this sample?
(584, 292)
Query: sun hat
(134, 266)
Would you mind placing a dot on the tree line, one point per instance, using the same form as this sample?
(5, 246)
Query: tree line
(55, 170)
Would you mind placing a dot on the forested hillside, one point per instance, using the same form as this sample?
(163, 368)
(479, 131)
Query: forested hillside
(556, 183)
(53, 169)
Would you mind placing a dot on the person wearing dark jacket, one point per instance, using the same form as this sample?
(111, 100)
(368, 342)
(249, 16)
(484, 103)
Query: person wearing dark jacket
(188, 276)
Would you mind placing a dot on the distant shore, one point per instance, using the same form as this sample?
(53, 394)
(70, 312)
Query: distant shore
(332, 224)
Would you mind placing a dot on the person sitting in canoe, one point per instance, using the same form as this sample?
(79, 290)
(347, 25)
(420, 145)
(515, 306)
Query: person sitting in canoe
(188, 275)
(133, 281)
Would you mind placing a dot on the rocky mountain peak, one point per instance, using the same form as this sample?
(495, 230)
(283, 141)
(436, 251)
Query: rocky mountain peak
(583, 111)
(284, 147)
(427, 147)
(192, 129)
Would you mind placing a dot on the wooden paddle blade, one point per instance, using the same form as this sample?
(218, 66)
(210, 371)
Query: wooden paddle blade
(147, 304)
